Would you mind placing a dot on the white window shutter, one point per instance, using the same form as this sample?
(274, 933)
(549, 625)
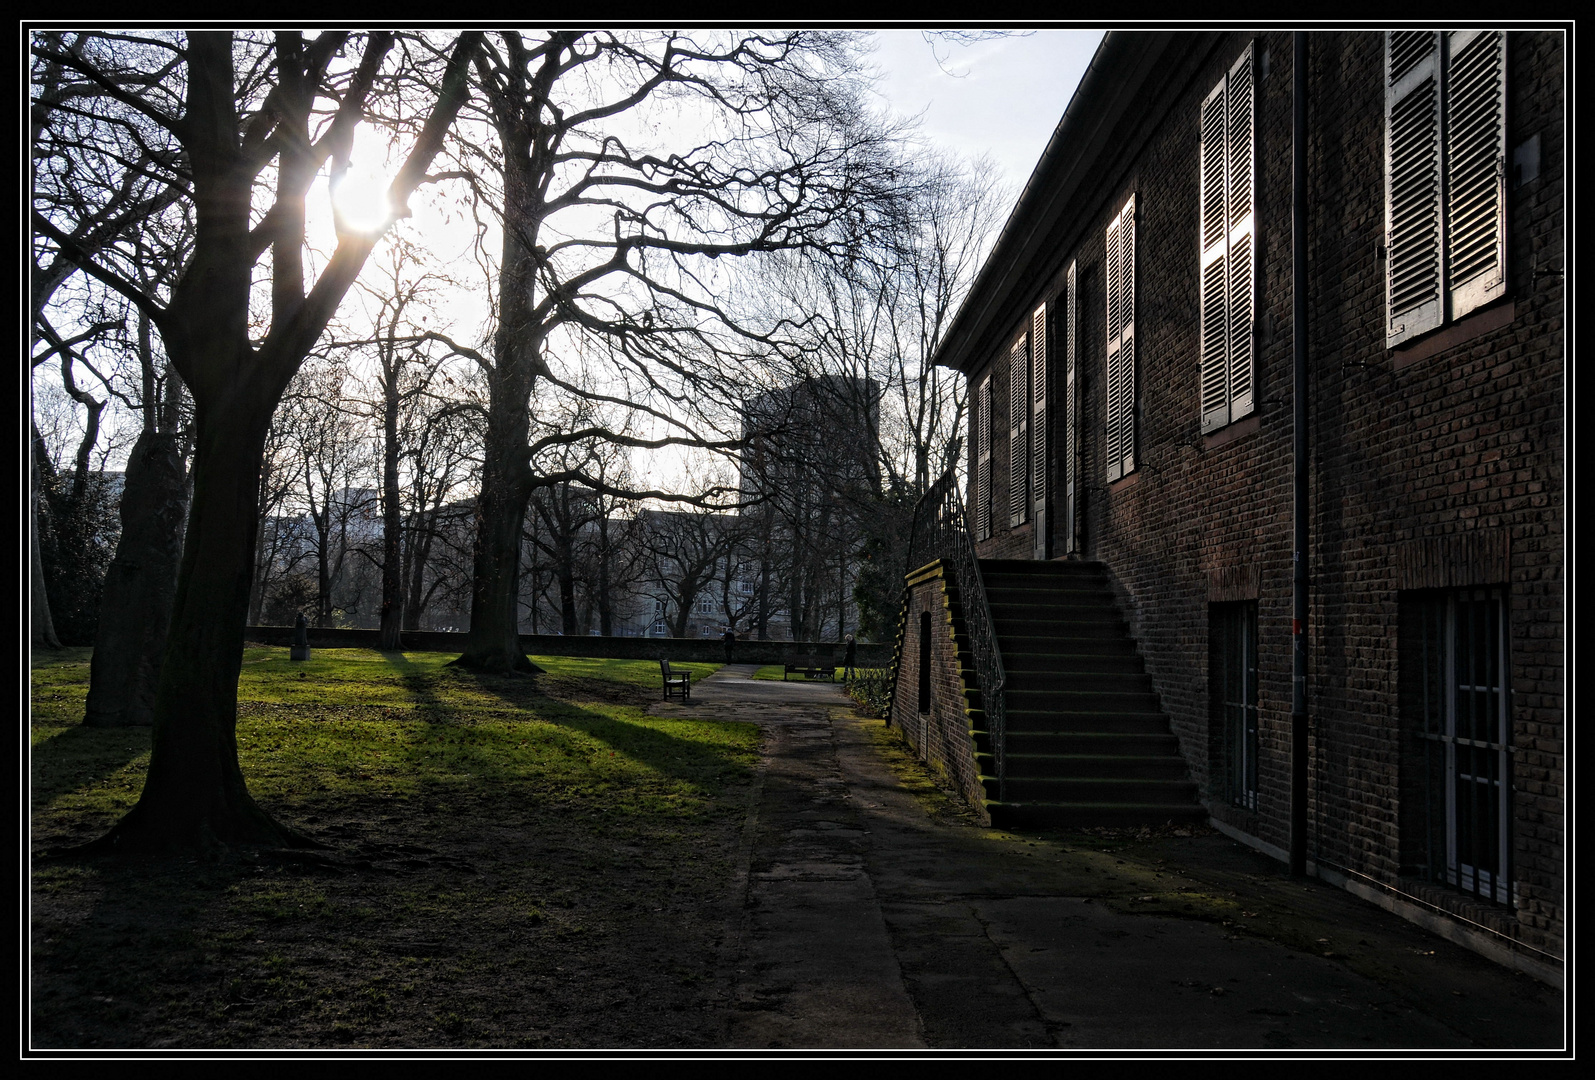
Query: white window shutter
(1040, 461)
(1018, 432)
(983, 460)
(1212, 222)
(1414, 225)
(1069, 450)
(1115, 329)
(1127, 360)
(1475, 172)
(1242, 227)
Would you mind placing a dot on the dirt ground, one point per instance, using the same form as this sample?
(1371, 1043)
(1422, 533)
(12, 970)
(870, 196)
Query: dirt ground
(485, 922)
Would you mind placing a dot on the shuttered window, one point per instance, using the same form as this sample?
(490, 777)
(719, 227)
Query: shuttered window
(1019, 432)
(1040, 462)
(1121, 343)
(1228, 223)
(982, 500)
(1069, 450)
(1445, 176)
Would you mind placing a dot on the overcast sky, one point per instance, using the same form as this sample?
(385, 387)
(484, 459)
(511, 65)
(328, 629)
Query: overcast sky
(1002, 95)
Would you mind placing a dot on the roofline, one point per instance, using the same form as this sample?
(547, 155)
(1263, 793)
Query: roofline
(1115, 75)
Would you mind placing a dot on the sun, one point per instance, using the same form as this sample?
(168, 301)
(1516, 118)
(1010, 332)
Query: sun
(361, 197)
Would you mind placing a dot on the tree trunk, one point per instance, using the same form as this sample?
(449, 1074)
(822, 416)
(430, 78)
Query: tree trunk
(137, 602)
(493, 642)
(392, 572)
(194, 794)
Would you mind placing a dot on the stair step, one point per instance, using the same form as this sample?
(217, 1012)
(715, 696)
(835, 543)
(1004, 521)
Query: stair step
(1021, 724)
(1078, 815)
(1092, 766)
(1107, 790)
(1082, 681)
(1022, 699)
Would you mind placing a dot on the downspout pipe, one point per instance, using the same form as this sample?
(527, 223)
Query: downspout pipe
(1298, 621)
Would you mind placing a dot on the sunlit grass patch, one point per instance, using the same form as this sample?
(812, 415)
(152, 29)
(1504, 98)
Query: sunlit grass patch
(357, 722)
(636, 672)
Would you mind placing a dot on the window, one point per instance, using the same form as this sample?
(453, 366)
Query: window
(1019, 406)
(1232, 685)
(1456, 790)
(1121, 342)
(983, 460)
(1228, 244)
(705, 605)
(1445, 176)
(1071, 417)
(1040, 462)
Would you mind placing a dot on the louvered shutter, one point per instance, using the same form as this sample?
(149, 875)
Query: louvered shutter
(983, 460)
(1414, 226)
(1121, 342)
(1214, 274)
(1242, 226)
(1475, 168)
(1228, 247)
(1018, 432)
(1040, 461)
(1069, 450)
(1114, 257)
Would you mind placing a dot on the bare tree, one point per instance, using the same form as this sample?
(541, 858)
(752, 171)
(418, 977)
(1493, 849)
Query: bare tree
(254, 122)
(612, 237)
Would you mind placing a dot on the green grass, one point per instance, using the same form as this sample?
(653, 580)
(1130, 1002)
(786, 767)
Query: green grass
(496, 846)
(777, 673)
(356, 722)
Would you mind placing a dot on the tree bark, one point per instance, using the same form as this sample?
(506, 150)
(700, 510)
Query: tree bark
(137, 603)
(388, 639)
(194, 795)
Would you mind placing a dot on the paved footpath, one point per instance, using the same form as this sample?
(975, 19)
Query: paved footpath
(862, 922)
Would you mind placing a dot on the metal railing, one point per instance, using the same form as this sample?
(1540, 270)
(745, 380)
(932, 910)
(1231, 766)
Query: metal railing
(940, 532)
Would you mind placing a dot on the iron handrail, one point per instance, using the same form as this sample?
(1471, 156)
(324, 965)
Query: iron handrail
(939, 532)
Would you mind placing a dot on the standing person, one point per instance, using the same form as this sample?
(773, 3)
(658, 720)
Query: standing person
(730, 639)
(847, 658)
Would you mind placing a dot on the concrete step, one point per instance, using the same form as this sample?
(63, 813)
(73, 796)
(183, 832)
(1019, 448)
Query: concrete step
(1079, 815)
(1101, 790)
(1090, 766)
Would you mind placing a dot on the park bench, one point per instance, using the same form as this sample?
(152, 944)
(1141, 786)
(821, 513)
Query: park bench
(676, 682)
(810, 667)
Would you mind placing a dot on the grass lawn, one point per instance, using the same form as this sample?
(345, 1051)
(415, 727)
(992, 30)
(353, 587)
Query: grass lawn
(777, 673)
(510, 861)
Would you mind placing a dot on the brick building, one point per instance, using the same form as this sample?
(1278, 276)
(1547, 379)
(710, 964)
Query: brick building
(1131, 347)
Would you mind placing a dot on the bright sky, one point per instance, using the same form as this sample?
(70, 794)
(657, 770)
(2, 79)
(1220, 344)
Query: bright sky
(1002, 96)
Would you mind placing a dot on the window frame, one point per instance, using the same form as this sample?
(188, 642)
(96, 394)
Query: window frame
(1227, 241)
(1121, 361)
(1457, 629)
(1445, 177)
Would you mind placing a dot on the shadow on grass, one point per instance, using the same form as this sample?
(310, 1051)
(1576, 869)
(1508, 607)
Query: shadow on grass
(74, 759)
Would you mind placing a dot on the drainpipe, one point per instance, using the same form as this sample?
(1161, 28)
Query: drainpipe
(1298, 620)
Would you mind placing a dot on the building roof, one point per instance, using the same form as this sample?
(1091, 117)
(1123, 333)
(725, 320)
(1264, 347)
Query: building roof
(1009, 278)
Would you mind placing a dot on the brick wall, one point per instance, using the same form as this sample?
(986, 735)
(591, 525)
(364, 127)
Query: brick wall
(940, 736)
(1436, 464)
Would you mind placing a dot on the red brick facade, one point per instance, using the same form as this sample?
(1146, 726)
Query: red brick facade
(1433, 466)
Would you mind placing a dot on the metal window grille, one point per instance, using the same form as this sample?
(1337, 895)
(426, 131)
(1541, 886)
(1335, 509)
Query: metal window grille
(1465, 735)
(1234, 645)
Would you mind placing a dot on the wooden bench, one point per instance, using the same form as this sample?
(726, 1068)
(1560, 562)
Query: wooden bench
(676, 682)
(810, 667)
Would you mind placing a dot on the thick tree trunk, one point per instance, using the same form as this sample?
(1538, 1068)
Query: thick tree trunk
(137, 603)
(194, 794)
(493, 642)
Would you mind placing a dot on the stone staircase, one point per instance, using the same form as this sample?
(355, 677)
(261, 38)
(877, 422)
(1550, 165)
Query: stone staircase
(1088, 743)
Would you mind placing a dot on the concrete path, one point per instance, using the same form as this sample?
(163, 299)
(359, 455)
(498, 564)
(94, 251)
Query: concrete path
(862, 921)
